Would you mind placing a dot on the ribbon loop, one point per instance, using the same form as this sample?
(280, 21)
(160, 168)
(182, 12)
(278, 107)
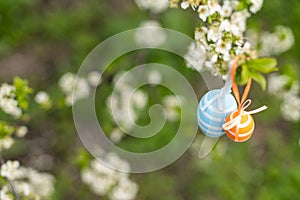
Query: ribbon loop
(243, 103)
(246, 104)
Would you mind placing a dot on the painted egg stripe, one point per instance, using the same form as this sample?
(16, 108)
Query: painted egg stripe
(243, 123)
(217, 115)
(211, 133)
(241, 134)
(244, 117)
(243, 127)
(243, 140)
(242, 130)
(210, 110)
(209, 126)
(232, 107)
(240, 139)
(210, 122)
(210, 117)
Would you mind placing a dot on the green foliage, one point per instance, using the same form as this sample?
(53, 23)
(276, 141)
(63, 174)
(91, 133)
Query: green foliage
(5, 129)
(22, 92)
(254, 68)
(243, 4)
(266, 167)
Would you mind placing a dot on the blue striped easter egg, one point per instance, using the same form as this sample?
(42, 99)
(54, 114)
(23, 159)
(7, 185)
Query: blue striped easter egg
(211, 114)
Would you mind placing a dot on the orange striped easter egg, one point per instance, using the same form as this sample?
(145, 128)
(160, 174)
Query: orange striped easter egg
(243, 130)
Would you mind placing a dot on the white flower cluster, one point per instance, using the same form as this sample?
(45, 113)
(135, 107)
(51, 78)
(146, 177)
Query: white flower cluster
(42, 98)
(116, 135)
(281, 40)
(172, 106)
(73, 92)
(150, 33)
(103, 180)
(21, 131)
(221, 37)
(5, 194)
(8, 102)
(27, 182)
(290, 107)
(154, 77)
(74, 89)
(155, 6)
(256, 5)
(6, 143)
(126, 106)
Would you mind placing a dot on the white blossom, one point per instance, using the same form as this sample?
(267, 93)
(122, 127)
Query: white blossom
(185, 5)
(225, 26)
(4, 194)
(139, 99)
(103, 180)
(276, 84)
(196, 56)
(114, 161)
(6, 143)
(7, 90)
(223, 47)
(21, 131)
(9, 169)
(99, 177)
(10, 106)
(213, 34)
(290, 108)
(28, 182)
(42, 98)
(126, 102)
(154, 77)
(172, 106)
(213, 6)
(8, 103)
(238, 22)
(204, 12)
(226, 9)
(66, 82)
(75, 89)
(150, 33)
(155, 6)
(215, 41)
(281, 40)
(256, 5)
(200, 33)
(125, 190)
(116, 135)
(94, 78)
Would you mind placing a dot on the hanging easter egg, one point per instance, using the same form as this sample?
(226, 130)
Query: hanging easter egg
(213, 109)
(243, 127)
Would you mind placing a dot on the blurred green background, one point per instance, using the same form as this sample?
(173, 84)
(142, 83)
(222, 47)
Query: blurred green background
(42, 39)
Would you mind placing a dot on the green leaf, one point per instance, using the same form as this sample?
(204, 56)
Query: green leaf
(243, 75)
(22, 92)
(259, 78)
(5, 129)
(264, 65)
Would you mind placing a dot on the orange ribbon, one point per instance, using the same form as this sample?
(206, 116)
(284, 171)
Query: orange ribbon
(242, 104)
